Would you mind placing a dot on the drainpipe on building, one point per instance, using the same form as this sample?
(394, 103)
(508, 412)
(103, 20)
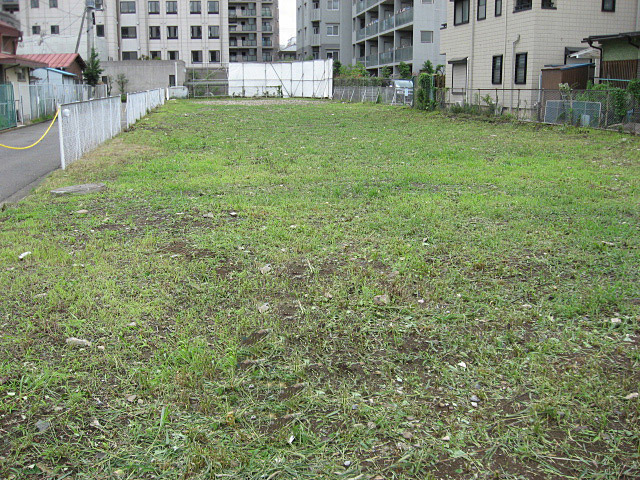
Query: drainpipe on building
(469, 79)
(513, 69)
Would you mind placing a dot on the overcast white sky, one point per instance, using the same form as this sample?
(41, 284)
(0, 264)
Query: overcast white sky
(287, 20)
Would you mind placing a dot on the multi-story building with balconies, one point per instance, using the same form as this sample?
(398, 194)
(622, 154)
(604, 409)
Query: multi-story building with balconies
(202, 33)
(496, 45)
(386, 33)
(324, 30)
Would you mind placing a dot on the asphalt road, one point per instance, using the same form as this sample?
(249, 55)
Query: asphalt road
(22, 170)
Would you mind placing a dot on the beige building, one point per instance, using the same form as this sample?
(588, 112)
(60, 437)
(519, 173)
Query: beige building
(503, 44)
(202, 33)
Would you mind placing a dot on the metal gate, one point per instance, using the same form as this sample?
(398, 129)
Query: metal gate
(7, 107)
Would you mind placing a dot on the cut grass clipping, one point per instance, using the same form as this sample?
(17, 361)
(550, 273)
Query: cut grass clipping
(281, 290)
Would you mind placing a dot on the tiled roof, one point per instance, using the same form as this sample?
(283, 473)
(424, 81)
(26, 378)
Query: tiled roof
(9, 59)
(56, 60)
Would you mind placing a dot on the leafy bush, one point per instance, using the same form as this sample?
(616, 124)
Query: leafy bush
(404, 70)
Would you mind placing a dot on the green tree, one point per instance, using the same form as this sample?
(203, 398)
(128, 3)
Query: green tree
(336, 68)
(93, 71)
(404, 70)
(386, 72)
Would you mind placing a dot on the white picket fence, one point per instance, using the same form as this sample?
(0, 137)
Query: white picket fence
(141, 103)
(85, 125)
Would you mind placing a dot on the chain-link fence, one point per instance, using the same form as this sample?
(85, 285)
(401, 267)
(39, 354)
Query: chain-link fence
(207, 82)
(141, 103)
(85, 125)
(7, 108)
(373, 89)
(38, 102)
(598, 107)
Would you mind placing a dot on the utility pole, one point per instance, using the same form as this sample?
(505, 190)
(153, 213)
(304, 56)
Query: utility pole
(90, 8)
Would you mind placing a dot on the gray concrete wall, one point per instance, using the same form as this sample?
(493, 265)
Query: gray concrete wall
(144, 74)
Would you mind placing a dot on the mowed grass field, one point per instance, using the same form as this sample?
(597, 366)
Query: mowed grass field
(290, 290)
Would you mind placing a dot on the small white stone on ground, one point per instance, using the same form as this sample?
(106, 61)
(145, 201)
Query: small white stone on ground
(78, 342)
(22, 256)
(266, 269)
(263, 308)
(631, 396)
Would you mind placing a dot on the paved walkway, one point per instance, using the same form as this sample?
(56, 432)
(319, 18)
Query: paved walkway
(22, 170)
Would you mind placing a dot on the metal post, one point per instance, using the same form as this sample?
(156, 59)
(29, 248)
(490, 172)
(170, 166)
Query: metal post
(63, 164)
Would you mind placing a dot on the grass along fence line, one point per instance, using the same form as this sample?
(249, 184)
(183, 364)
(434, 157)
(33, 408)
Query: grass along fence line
(344, 291)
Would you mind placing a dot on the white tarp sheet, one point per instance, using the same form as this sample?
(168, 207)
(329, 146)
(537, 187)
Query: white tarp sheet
(312, 79)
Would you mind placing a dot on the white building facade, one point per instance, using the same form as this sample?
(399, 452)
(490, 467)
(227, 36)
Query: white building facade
(202, 33)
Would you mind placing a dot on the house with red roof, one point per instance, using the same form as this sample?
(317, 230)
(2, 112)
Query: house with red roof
(67, 62)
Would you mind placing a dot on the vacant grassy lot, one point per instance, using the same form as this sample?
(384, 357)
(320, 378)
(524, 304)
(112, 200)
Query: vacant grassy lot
(317, 290)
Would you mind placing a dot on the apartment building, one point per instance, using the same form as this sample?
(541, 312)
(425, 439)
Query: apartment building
(202, 33)
(385, 33)
(323, 29)
(504, 44)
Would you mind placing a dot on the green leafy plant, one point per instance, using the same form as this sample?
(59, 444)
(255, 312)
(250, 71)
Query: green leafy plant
(386, 72)
(404, 70)
(93, 70)
(336, 68)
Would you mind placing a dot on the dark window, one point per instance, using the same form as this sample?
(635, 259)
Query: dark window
(196, 56)
(172, 32)
(128, 32)
(53, 3)
(213, 7)
(195, 7)
(35, 29)
(196, 31)
(154, 33)
(214, 31)
(127, 7)
(129, 55)
(172, 8)
(496, 70)
(214, 56)
(100, 30)
(482, 9)
(521, 69)
(35, 3)
(55, 29)
(498, 8)
(173, 55)
(155, 55)
(607, 5)
(172, 80)
(460, 12)
(521, 5)
(549, 4)
(154, 8)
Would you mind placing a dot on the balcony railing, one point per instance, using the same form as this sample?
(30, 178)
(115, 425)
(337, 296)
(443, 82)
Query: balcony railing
(242, 13)
(404, 54)
(360, 34)
(267, 44)
(249, 28)
(267, 28)
(249, 43)
(365, 4)
(371, 29)
(387, 24)
(315, 14)
(315, 39)
(404, 17)
(386, 57)
(266, 12)
(361, 60)
(371, 60)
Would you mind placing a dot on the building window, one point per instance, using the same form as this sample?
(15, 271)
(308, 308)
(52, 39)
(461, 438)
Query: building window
(172, 8)
(128, 32)
(549, 4)
(196, 32)
(172, 32)
(35, 29)
(196, 56)
(172, 80)
(607, 5)
(173, 55)
(195, 8)
(267, 57)
(35, 3)
(155, 55)
(127, 7)
(154, 33)
(335, 54)
(482, 9)
(521, 69)
(154, 8)
(427, 1)
(100, 30)
(129, 55)
(333, 4)
(426, 36)
(496, 70)
(213, 8)
(521, 5)
(53, 3)
(333, 29)
(460, 12)
(214, 31)
(498, 8)
(214, 56)
(55, 29)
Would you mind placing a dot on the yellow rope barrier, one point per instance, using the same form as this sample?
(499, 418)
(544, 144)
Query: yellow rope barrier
(44, 135)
